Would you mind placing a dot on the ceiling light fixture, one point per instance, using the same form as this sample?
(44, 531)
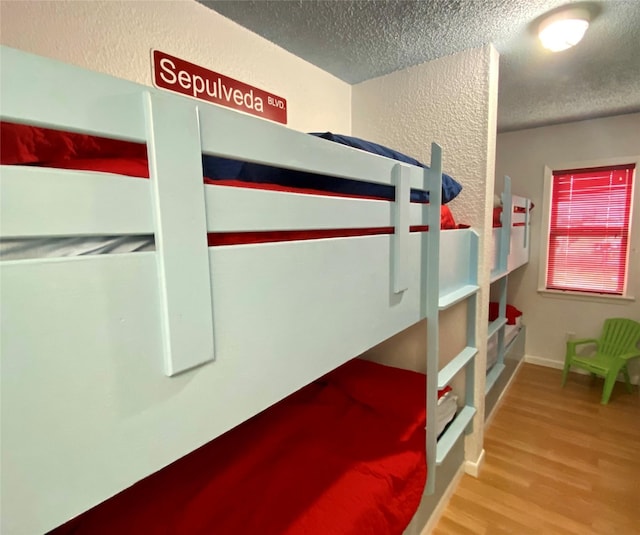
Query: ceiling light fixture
(563, 29)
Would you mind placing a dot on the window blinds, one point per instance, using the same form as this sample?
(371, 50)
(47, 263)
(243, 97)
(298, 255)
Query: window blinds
(589, 229)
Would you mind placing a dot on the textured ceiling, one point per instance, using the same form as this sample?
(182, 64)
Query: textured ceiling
(360, 40)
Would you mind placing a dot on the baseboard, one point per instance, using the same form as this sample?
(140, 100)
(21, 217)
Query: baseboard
(473, 467)
(444, 501)
(544, 361)
(558, 365)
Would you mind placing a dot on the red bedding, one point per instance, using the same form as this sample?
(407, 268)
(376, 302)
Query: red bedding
(512, 313)
(497, 214)
(344, 455)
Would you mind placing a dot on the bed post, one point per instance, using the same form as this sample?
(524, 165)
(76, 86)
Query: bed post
(505, 231)
(503, 265)
(177, 189)
(433, 183)
(527, 224)
(402, 221)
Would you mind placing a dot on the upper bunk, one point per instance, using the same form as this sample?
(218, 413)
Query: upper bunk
(511, 233)
(115, 365)
(511, 242)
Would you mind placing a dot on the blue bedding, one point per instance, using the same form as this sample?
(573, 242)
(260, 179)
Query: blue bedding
(251, 172)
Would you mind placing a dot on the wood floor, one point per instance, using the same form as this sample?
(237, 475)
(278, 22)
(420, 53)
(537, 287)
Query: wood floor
(557, 462)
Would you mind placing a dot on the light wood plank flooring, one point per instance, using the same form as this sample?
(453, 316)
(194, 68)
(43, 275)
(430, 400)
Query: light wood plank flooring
(557, 462)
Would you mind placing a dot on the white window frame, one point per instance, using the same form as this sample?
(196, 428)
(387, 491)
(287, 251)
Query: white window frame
(546, 222)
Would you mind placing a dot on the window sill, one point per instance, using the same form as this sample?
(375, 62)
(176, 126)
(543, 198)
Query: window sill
(579, 296)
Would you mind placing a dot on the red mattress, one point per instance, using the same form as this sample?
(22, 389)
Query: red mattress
(344, 455)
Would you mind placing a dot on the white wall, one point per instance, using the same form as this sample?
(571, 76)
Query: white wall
(452, 101)
(116, 37)
(523, 155)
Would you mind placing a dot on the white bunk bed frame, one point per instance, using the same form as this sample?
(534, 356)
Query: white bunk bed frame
(511, 251)
(114, 366)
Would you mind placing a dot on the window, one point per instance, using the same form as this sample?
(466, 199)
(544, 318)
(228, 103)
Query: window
(589, 226)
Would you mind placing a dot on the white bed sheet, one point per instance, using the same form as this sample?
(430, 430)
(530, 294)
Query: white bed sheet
(445, 411)
(26, 248)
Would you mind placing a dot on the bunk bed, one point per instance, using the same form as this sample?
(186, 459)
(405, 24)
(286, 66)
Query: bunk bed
(114, 366)
(511, 239)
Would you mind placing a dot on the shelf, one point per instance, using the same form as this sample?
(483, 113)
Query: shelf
(495, 326)
(451, 435)
(449, 371)
(451, 298)
(493, 375)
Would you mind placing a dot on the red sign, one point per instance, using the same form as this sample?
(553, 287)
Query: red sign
(186, 78)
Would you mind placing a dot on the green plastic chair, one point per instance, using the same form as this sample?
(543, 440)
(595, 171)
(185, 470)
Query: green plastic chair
(617, 345)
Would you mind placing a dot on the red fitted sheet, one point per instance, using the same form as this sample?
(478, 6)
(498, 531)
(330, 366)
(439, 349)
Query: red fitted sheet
(497, 214)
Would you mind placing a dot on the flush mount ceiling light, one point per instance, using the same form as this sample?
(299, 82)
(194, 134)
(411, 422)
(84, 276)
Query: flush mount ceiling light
(563, 29)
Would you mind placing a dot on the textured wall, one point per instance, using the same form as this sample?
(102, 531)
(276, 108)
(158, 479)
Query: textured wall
(445, 101)
(357, 42)
(452, 101)
(115, 37)
(523, 155)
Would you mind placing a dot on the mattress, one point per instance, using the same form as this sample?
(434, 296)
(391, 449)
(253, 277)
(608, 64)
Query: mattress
(344, 455)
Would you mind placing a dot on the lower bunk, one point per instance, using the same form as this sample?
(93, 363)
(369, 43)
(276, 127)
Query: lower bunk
(513, 358)
(343, 455)
(510, 324)
(511, 232)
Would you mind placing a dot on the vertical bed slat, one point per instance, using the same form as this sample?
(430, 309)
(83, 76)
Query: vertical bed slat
(505, 230)
(431, 262)
(175, 167)
(527, 224)
(401, 179)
